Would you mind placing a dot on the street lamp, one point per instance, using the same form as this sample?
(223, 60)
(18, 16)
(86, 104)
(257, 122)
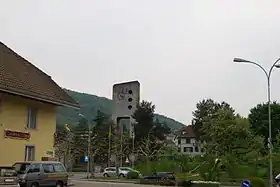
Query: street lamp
(89, 143)
(268, 75)
(88, 166)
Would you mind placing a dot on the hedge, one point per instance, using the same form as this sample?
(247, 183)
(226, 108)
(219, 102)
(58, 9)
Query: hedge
(183, 183)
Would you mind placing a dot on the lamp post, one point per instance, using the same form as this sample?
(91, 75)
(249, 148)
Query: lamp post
(268, 75)
(88, 146)
(89, 143)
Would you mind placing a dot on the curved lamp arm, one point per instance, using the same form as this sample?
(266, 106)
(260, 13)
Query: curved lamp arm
(262, 68)
(273, 66)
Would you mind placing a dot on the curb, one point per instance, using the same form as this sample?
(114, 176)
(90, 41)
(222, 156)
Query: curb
(100, 180)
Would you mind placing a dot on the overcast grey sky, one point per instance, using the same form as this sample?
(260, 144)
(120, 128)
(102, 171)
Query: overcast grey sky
(181, 51)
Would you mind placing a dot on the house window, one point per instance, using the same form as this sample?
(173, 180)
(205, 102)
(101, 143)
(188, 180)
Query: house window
(188, 149)
(179, 149)
(179, 141)
(32, 118)
(29, 153)
(196, 149)
(188, 140)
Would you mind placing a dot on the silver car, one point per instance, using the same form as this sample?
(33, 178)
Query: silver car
(112, 171)
(44, 173)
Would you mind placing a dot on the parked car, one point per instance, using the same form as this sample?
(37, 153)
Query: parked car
(45, 173)
(161, 176)
(8, 176)
(112, 171)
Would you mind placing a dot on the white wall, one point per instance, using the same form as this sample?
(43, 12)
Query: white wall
(189, 146)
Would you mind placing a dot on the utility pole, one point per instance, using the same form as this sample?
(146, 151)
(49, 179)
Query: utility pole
(109, 145)
(121, 146)
(133, 146)
(89, 158)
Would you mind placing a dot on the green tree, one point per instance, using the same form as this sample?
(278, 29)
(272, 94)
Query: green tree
(150, 149)
(258, 117)
(65, 147)
(230, 134)
(230, 139)
(150, 134)
(81, 135)
(205, 111)
(146, 123)
(144, 117)
(160, 130)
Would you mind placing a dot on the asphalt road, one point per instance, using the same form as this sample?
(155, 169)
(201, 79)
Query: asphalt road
(83, 183)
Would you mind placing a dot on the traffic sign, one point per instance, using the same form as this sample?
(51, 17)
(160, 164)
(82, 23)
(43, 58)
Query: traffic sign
(86, 158)
(246, 183)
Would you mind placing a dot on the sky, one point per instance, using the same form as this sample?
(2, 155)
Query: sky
(181, 51)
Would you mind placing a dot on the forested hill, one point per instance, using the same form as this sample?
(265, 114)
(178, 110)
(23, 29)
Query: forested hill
(89, 106)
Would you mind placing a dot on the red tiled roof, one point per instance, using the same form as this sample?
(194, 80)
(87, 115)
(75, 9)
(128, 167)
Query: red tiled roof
(20, 77)
(188, 132)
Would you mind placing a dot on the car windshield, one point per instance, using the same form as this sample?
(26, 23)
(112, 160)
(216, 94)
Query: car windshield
(125, 169)
(7, 172)
(21, 167)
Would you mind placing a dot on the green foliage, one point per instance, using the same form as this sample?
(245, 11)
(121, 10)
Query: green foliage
(205, 184)
(228, 137)
(132, 175)
(210, 169)
(258, 117)
(232, 135)
(257, 182)
(149, 134)
(184, 183)
(144, 117)
(90, 104)
(206, 109)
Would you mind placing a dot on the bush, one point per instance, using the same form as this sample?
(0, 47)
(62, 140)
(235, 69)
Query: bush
(184, 183)
(132, 175)
(257, 182)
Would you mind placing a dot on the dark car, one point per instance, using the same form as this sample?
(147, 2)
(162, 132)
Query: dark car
(161, 176)
(8, 176)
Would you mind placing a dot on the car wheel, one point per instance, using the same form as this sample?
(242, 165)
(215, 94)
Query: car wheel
(121, 175)
(105, 175)
(59, 184)
(34, 184)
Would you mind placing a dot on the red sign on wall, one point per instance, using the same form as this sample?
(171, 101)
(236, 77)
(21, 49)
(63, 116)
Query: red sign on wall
(17, 134)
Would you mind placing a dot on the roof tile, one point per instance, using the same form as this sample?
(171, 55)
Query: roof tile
(188, 132)
(20, 77)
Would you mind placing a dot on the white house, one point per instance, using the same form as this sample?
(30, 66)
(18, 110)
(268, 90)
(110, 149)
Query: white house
(187, 143)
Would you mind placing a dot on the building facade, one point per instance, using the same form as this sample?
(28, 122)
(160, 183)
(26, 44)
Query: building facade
(187, 143)
(28, 101)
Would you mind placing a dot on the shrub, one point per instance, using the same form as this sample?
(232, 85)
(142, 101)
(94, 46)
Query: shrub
(257, 182)
(132, 175)
(184, 183)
